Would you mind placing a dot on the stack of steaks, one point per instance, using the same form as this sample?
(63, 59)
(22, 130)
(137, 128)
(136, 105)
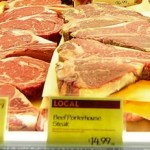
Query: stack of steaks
(29, 35)
(106, 48)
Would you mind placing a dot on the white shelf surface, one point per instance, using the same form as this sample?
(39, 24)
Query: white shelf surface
(129, 138)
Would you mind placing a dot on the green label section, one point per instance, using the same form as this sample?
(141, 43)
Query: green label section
(3, 117)
(74, 121)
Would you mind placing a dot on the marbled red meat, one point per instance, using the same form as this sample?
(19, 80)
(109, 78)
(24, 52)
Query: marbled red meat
(18, 3)
(23, 43)
(132, 35)
(25, 73)
(102, 9)
(84, 75)
(22, 115)
(77, 47)
(44, 25)
(23, 11)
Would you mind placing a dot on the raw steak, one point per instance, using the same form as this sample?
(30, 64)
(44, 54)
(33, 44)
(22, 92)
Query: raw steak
(94, 76)
(20, 12)
(87, 23)
(21, 42)
(101, 9)
(77, 47)
(25, 73)
(132, 35)
(44, 25)
(83, 48)
(18, 3)
(22, 115)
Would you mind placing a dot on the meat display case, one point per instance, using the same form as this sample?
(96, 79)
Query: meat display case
(40, 137)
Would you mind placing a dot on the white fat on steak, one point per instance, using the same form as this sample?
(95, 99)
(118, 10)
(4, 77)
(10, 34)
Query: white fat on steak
(94, 76)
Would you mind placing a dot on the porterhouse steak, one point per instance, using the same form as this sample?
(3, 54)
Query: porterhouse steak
(25, 73)
(91, 22)
(22, 115)
(101, 9)
(132, 35)
(92, 75)
(77, 47)
(25, 43)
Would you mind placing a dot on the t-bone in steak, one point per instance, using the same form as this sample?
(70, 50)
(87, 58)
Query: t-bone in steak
(94, 76)
(86, 23)
(132, 35)
(22, 115)
(82, 48)
(45, 25)
(77, 47)
(101, 9)
(23, 43)
(18, 3)
(25, 73)
(20, 12)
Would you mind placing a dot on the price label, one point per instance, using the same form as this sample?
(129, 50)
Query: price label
(117, 2)
(85, 121)
(3, 117)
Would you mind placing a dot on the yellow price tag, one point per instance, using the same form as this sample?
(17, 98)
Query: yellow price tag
(85, 121)
(3, 117)
(117, 2)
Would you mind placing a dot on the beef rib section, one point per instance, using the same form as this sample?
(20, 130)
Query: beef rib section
(22, 115)
(25, 43)
(25, 73)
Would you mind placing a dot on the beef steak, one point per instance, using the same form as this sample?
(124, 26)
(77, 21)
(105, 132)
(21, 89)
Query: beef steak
(44, 25)
(94, 76)
(101, 9)
(25, 73)
(132, 35)
(22, 115)
(23, 43)
(19, 12)
(18, 3)
(77, 47)
(93, 22)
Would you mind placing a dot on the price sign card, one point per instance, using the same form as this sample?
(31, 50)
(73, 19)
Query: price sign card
(3, 117)
(85, 121)
(117, 2)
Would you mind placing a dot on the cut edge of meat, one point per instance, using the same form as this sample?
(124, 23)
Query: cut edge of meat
(19, 109)
(31, 89)
(103, 91)
(71, 83)
(18, 3)
(38, 47)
